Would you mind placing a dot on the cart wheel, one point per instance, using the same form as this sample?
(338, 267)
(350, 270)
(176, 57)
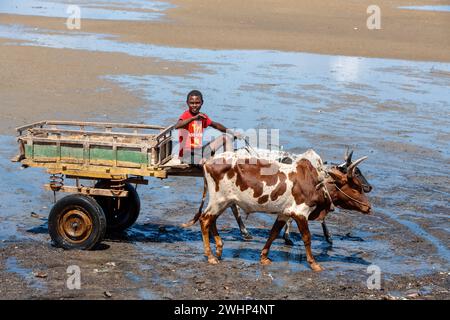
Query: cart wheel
(121, 213)
(77, 222)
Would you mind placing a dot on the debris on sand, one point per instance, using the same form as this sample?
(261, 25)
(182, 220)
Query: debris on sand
(107, 294)
(109, 266)
(40, 274)
(100, 270)
(412, 293)
(391, 297)
(168, 296)
(35, 215)
(270, 276)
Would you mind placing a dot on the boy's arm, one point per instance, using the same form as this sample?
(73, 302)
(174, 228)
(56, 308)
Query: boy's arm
(181, 123)
(221, 127)
(218, 126)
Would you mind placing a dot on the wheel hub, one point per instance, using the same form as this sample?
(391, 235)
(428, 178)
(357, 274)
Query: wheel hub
(75, 225)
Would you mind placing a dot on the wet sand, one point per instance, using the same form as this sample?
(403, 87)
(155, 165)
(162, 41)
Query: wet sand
(41, 83)
(379, 107)
(35, 82)
(320, 27)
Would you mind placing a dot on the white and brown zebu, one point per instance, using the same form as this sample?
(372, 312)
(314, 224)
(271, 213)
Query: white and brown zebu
(301, 191)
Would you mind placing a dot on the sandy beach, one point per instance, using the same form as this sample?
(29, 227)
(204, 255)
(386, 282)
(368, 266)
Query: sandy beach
(35, 83)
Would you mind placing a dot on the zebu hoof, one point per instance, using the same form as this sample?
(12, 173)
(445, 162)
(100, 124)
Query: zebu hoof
(219, 254)
(213, 260)
(265, 261)
(247, 236)
(316, 267)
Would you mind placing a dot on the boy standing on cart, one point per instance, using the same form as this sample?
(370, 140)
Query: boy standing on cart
(191, 125)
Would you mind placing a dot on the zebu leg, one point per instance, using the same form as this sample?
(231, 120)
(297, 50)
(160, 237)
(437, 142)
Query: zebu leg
(245, 234)
(302, 223)
(289, 242)
(205, 223)
(217, 238)
(207, 219)
(286, 237)
(276, 228)
(326, 233)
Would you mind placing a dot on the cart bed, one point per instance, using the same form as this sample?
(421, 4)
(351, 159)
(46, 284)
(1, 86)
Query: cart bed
(101, 150)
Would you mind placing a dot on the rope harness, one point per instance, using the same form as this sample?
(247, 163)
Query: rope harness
(322, 184)
(249, 147)
(357, 201)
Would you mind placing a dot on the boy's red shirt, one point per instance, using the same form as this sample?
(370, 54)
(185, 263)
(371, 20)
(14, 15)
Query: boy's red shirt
(191, 136)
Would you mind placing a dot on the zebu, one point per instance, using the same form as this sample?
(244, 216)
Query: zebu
(303, 190)
(288, 158)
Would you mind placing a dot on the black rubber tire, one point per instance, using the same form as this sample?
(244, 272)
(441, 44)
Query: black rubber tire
(119, 218)
(91, 210)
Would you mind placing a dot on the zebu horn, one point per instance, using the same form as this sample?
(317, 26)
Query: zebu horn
(353, 166)
(348, 157)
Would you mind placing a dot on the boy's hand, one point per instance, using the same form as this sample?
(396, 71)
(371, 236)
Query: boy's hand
(237, 135)
(200, 116)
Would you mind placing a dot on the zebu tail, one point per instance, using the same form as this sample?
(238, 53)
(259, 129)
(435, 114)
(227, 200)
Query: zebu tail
(197, 215)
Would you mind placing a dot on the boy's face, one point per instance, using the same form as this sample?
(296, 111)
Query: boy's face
(194, 103)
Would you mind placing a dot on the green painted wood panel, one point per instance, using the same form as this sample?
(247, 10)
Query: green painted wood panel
(72, 152)
(45, 151)
(28, 151)
(96, 153)
(131, 156)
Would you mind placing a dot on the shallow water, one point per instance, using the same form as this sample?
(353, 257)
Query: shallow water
(428, 8)
(395, 111)
(13, 266)
(97, 9)
(21, 194)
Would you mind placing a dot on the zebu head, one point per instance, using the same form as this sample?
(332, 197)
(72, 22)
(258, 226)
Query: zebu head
(357, 173)
(349, 188)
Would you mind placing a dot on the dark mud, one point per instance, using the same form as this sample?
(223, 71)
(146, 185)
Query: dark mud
(157, 259)
(164, 265)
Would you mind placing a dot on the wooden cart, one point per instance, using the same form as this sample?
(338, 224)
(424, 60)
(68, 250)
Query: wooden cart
(114, 156)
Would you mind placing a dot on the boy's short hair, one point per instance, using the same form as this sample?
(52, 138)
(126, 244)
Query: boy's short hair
(194, 93)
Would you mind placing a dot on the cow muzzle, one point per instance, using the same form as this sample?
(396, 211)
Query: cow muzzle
(367, 209)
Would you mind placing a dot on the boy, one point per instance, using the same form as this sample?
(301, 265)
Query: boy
(191, 125)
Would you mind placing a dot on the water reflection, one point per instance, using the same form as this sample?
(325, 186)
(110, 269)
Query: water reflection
(346, 69)
(97, 9)
(428, 8)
